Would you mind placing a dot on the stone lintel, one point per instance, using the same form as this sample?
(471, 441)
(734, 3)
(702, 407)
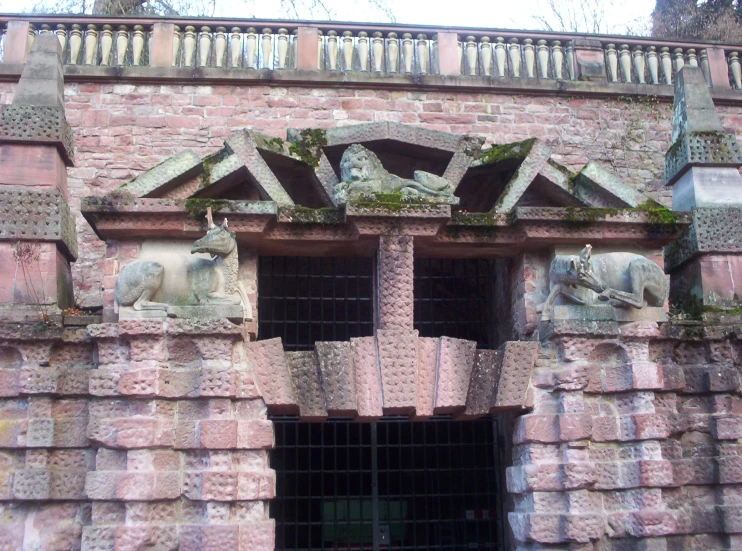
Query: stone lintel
(714, 230)
(37, 125)
(32, 215)
(165, 176)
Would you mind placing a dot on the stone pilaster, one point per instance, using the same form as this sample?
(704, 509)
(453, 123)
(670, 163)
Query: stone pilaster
(37, 230)
(395, 292)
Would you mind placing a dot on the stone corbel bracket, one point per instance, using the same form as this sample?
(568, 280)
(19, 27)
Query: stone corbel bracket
(395, 372)
(31, 215)
(35, 125)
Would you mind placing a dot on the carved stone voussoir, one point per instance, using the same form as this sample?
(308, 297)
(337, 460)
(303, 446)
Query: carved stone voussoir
(37, 125)
(701, 148)
(31, 215)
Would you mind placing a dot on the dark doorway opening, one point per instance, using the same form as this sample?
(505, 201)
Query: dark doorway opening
(397, 485)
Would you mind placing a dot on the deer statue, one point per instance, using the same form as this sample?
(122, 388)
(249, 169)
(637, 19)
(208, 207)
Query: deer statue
(624, 279)
(183, 280)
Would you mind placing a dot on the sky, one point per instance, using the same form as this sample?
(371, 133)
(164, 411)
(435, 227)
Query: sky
(518, 14)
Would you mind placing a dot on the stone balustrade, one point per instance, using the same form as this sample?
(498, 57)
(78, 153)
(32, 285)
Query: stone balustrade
(381, 50)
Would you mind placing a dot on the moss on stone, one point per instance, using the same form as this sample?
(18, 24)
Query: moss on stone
(308, 148)
(587, 215)
(208, 164)
(657, 215)
(459, 218)
(197, 207)
(500, 153)
(390, 202)
(305, 215)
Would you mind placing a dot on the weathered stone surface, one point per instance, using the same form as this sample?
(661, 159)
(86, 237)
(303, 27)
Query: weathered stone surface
(483, 382)
(707, 187)
(305, 374)
(271, 370)
(518, 358)
(427, 367)
(529, 168)
(455, 363)
(25, 124)
(396, 261)
(397, 351)
(165, 176)
(338, 377)
(368, 377)
(597, 187)
(32, 215)
(713, 230)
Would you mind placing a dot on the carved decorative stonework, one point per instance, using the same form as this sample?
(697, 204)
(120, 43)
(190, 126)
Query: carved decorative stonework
(37, 125)
(701, 148)
(31, 215)
(714, 230)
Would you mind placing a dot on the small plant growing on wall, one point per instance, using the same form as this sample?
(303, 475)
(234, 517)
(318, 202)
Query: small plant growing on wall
(28, 259)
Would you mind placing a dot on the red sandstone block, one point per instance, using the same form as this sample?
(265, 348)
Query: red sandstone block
(729, 469)
(257, 536)
(650, 523)
(574, 427)
(135, 432)
(141, 382)
(256, 485)
(650, 426)
(135, 486)
(255, 434)
(541, 528)
(647, 375)
(217, 538)
(536, 428)
(605, 428)
(218, 433)
(9, 382)
(368, 387)
(727, 428)
(656, 473)
(218, 486)
(578, 475)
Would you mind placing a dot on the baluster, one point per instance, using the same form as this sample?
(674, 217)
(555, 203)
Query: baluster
(266, 48)
(624, 59)
(460, 51)
(392, 53)
(75, 43)
(734, 67)
(705, 67)
(175, 54)
(122, 44)
(407, 55)
(332, 50)
(220, 46)
(320, 47)
(500, 56)
(363, 51)
(514, 57)
(557, 57)
(137, 42)
(235, 47)
(204, 46)
(106, 44)
(471, 56)
(692, 59)
(378, 51)
(435, 61)
(30, 37)
(485, 56)
(571, 59)
(678, 60)
(251, 48)
(530, 58)
(666, 63)
(150, 38)
(423, 55)
(62, 36)
(189, 46)
(652, 61)
(639, 64)
(610, 54)
(543, 59)
(282, 48)
(295, 49)
(45, 29)
(347, 51)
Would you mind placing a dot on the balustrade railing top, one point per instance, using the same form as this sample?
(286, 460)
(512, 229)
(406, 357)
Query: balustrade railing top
(380, 49)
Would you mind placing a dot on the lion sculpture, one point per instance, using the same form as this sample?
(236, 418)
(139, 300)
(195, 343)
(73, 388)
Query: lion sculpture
(361, 173)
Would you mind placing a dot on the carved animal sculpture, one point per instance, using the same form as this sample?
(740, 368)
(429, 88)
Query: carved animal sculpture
(361, 172)
(186, 280)
(624, 279)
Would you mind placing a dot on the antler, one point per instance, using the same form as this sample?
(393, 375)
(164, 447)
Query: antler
(209, 218)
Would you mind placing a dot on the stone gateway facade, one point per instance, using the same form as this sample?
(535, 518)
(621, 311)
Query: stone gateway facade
(367, 289)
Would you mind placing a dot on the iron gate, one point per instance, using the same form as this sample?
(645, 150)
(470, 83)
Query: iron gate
(397, 485)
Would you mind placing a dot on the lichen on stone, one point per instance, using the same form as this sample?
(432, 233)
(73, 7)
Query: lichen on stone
(305, 215)
(196, 207)
(307, 147)
(500, 153)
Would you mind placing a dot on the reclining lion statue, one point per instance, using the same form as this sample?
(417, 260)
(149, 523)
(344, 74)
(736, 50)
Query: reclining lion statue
(361, 173)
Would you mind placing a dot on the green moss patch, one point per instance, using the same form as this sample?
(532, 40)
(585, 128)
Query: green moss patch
(304, 215)
(197, 207)
(500, 153)
(308, 148)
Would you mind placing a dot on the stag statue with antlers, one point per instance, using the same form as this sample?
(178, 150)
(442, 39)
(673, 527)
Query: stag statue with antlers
(173, 282)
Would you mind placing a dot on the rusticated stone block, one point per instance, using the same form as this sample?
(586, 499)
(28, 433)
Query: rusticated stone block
(518, 358)
(338, 377)
(483, 383)
(271, 370)
(257, 536)
(427, 362)
(398, 364)
(455, 363)
(304, 370)
(368, 378)
(37, 125)
(727, 428)
(396, 266)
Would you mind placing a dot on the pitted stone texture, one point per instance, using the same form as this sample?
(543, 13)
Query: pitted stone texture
(368, 378)
(715, 230)
(597, 187)
(271, 370)
(165, 176)
(398, 365)
(455, 362)
(305, 373)
(483, 382)
(427, 366)
(524, 176)
(31, 215)
(338, 377)
(396, 267)
(39, 126)
(711, 149)
(518, 358)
